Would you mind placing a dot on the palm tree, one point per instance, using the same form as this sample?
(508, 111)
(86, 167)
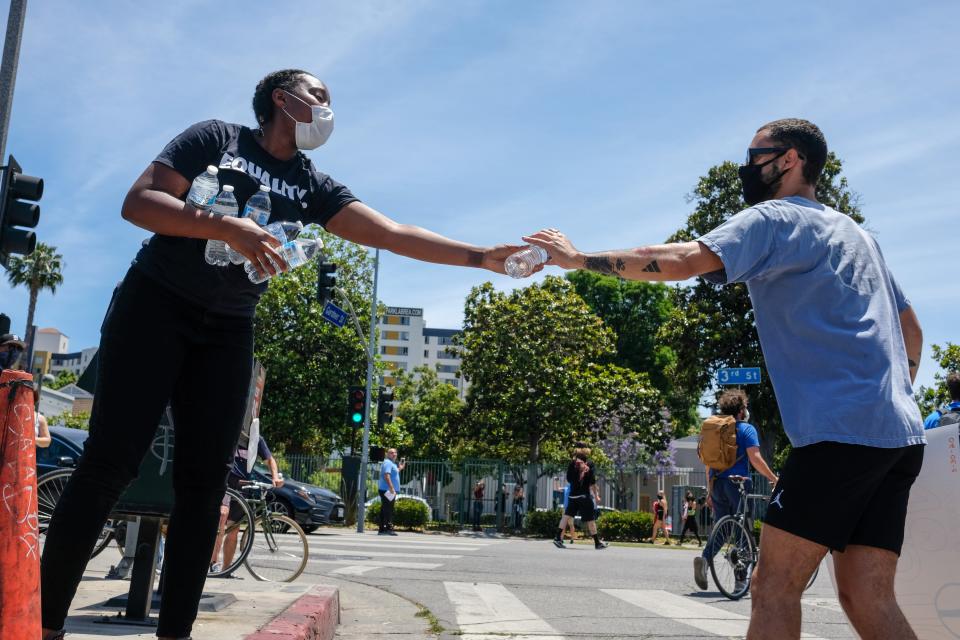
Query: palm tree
(42, 269)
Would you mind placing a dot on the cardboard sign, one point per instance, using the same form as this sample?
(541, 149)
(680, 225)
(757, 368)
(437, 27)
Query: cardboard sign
(254, 399)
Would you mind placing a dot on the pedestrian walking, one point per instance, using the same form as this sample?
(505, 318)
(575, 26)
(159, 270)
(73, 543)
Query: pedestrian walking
(582, 478)
(478, 504)
(518, 507)
(841, 345)
(200, 317)
(388, 488)
(689, 517)
(659, 514)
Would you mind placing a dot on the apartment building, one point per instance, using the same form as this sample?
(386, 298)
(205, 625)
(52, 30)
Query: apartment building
(407, 343)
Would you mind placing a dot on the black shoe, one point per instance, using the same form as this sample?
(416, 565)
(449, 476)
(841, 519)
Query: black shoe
(383, 533)
(600, 545)
(558, 543)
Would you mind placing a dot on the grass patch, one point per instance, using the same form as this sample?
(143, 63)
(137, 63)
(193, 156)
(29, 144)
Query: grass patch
(435, 627)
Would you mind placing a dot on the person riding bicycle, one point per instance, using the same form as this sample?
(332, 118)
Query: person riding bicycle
(230, 512)
(723, 495)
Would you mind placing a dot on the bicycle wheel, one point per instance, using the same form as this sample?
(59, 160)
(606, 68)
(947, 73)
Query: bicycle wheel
(233, 543)
(277, 557)
(732, 564)
(813, 578)
(50, 487)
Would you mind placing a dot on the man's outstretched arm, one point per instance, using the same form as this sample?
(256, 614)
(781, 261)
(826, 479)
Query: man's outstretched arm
(677, 261)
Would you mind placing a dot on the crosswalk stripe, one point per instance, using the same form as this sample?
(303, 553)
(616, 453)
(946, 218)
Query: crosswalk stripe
(387, 545)
(401, 539)
(356, 570)
(695, 614)
(485, 610)
(380, 563)
(330, 551)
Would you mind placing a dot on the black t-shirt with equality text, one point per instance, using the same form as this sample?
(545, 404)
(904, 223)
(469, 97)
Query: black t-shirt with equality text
(297, 192)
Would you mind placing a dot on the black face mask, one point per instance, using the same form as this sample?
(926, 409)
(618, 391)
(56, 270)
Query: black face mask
(755, 189)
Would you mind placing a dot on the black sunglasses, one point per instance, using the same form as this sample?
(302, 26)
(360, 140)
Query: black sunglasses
(753, 152)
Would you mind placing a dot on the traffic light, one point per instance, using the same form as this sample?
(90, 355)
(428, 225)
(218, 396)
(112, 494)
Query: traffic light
(326, 281)
(356, 406)
(385, 407)
(18, 195)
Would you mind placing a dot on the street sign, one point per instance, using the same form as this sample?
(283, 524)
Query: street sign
(739, 375)
(334, 314)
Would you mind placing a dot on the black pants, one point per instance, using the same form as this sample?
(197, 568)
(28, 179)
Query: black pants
(156, 348)
(690, 524)
(517, 515)
(386, 511)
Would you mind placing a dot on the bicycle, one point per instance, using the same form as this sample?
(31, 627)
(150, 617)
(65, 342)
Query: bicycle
(733, 543)
(272, 546)
(50, 487)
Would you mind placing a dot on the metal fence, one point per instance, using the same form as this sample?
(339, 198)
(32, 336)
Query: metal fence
(450, 488)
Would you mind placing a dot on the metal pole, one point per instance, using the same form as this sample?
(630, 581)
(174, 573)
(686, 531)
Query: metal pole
(371, 345)
(8, 68)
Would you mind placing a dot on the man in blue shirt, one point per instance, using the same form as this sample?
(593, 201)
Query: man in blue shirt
(388, 488)
(841, 345)
(723, 496)
(953, 385)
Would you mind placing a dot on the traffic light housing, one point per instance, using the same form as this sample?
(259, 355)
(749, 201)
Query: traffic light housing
(18, 196)
(356, 406)
(326, 281)
(385, 407)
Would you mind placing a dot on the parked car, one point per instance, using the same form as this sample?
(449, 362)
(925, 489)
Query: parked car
(66, 445)
(310, 505)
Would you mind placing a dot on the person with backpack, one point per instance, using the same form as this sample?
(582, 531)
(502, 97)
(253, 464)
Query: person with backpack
(950, 415)
(729, 446)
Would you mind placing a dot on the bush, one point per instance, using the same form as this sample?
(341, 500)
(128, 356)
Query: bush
(488, 519)
(408, 514)
(446, 527)
(625, 526)
(542, 524)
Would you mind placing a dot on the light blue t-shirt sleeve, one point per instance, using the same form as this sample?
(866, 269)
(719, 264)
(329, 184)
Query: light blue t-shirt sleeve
(745, 244)
(749, 436)
(902, 302)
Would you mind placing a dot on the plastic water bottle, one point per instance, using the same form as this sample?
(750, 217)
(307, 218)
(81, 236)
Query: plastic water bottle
(522, 263)
(225, 205)
(204, 189)
(258, 210)
(283, 230)
(295, 252)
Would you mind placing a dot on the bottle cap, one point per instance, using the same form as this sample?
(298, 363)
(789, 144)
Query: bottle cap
(212, 169)
(264, 187)
(228, 188)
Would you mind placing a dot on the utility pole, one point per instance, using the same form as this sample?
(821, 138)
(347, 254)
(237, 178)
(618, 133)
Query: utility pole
(371, 345)
(8, 68)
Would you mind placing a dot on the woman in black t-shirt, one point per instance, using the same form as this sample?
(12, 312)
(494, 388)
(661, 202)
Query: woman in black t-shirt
(584, 497)
(198, 319)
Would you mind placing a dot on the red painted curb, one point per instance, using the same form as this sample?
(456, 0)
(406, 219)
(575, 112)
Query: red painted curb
(314, 616)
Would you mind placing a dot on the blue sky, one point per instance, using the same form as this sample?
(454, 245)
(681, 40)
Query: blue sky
(485, 121)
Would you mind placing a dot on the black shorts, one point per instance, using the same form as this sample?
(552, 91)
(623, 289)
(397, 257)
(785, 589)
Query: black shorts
(839, 494)
(582, 506)
(236, 511)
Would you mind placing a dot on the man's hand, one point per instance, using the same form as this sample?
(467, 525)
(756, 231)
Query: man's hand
(278, 482)
(710, 502)
(249, 239)
(494, 257)
(561, 250)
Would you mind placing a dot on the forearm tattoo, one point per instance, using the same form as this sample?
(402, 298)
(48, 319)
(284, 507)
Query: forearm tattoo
(653, 267)
(603, 264)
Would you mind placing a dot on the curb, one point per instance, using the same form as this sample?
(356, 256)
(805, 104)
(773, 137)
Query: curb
(314, 616)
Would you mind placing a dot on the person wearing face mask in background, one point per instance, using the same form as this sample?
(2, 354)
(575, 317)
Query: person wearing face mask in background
(841, 345)
(200, 317)
(723, 496)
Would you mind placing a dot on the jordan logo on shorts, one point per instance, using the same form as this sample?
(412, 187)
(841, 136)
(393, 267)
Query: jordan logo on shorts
(776, 499)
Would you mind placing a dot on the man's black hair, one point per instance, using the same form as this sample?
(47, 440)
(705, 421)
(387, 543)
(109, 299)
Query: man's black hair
(806, 138)
(953, 384)
(286, 79)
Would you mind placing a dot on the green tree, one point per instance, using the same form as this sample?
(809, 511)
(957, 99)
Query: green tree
(70, 419)
(42, 269)
(948, 357)
(712, 326)
(428, 411)
(63, 379)
(309, 362)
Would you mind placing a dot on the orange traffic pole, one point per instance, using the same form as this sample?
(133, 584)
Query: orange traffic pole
(19, 536)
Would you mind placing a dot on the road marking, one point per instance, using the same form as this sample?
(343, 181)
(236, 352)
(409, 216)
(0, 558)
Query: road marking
(380, 563)
(329, 551)
(485, 610)
(387, 545)
(401, 539)
(713, 620)
(356, 569)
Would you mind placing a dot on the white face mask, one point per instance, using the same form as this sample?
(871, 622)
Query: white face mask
(746, 415)
(310, 135)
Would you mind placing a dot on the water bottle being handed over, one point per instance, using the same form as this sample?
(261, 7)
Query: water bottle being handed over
(258, 210)
(522, 263)
(295, 252)
(283, 230)
(225, 205)
(204, 189)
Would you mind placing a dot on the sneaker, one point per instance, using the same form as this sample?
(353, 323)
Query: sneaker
(558, 543)
(601, 545)
(383, 533)
(571, 541)
(216, 567)
(700, 572)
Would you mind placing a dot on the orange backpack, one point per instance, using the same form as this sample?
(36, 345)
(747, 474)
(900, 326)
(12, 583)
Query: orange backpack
(718, 442)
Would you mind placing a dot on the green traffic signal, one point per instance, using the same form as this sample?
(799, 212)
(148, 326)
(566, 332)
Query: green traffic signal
(357, 417)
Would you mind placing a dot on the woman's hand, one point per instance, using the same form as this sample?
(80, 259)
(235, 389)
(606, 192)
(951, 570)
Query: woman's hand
(248, 239)
(494, 257)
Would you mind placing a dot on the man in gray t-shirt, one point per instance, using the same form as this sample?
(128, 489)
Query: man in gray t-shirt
(842, 345)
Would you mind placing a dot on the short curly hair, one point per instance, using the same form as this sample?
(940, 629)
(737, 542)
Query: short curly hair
(806, 138)
(286, 79)
(732, 402)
